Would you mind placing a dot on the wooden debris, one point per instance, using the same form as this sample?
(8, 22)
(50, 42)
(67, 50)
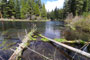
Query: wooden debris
(69, 47)
(76, 41)
(23, 45)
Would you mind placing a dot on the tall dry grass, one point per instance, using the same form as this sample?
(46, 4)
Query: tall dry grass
(79, 22)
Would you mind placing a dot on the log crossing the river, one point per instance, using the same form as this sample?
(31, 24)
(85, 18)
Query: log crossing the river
(69, 47)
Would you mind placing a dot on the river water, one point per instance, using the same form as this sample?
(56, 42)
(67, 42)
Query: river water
(12, 33)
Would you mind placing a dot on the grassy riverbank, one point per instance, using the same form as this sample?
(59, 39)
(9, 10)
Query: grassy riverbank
(81, 23)
(79, 27)
(22, 20)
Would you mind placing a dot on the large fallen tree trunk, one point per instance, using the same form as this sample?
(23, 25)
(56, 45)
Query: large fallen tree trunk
(23, 45)
(69, 47)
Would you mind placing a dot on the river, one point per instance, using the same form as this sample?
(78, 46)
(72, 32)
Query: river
(12, 33)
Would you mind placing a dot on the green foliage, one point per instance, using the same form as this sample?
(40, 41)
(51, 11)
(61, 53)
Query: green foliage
(60, 40)
(82, 42)
(60, 12)
(32, 38)
(36, 10)
(83, 25)
(77, 7)
(50, 15)
(22, 8)
(17, 9)
(35, 36)
(85, 8)
(44, 12)
(3, 7)
(10, 8)
(56, 14)
(86, 14)
(44, 39)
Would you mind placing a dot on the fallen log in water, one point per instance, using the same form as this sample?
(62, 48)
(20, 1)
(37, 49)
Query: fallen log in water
(76, 41)
(69, 47)
(23, 45)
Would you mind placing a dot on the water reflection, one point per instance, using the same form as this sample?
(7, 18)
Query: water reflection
(51, 30)
(13, 32)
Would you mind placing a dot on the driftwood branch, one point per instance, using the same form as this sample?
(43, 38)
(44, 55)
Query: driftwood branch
(76, 41)
(69, 47)
(23, 45)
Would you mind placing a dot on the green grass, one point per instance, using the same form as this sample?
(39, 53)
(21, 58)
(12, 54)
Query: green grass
(82, 42)
(60, 40)
(44, 39)
(22, 20)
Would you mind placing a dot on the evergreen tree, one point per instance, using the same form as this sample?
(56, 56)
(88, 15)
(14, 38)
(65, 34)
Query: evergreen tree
(52, 15)
(66, 8)
(89, 5)
(3, 5)
(23, 8)
(30, 11)
(39, 3)
(17, 8)
(85, 6)
(74, 6)
(10, 9)
(44, 12)
(37, 11)
(56, 13)
(60, 14)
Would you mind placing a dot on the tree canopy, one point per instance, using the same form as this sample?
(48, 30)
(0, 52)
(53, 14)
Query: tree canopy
(22, 8)
(76, 7)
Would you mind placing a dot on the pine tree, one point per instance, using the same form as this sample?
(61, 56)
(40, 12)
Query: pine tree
(39, 3)
(60, 14)
(17, 8)
(74, 6)
(23, 9)
(66, 8)
(52, 15)
(89, 5)
(3, 7)
(37, 11)
(30, 11)
(56, 13)
(79, 7)
(43, 12)
(10, 9)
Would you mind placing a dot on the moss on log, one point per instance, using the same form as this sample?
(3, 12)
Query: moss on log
(22, 46)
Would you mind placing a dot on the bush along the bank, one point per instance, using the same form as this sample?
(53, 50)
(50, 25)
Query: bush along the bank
(81, 25)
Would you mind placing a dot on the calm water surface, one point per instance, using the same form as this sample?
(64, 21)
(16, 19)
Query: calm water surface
(11, 33)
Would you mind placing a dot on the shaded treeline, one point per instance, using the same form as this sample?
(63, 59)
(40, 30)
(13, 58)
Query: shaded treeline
(76, 7)
(30, 9)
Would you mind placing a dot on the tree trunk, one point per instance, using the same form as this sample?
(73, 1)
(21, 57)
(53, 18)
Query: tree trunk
(69, 47)
(22, 46)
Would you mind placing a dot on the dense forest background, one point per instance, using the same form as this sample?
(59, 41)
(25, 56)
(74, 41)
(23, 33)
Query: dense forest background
(74, 7)
(30, 9)
(35, 10)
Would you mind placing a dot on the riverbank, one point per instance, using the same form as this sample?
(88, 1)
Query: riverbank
(79, 27)
(22, 20)
(79, 22)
